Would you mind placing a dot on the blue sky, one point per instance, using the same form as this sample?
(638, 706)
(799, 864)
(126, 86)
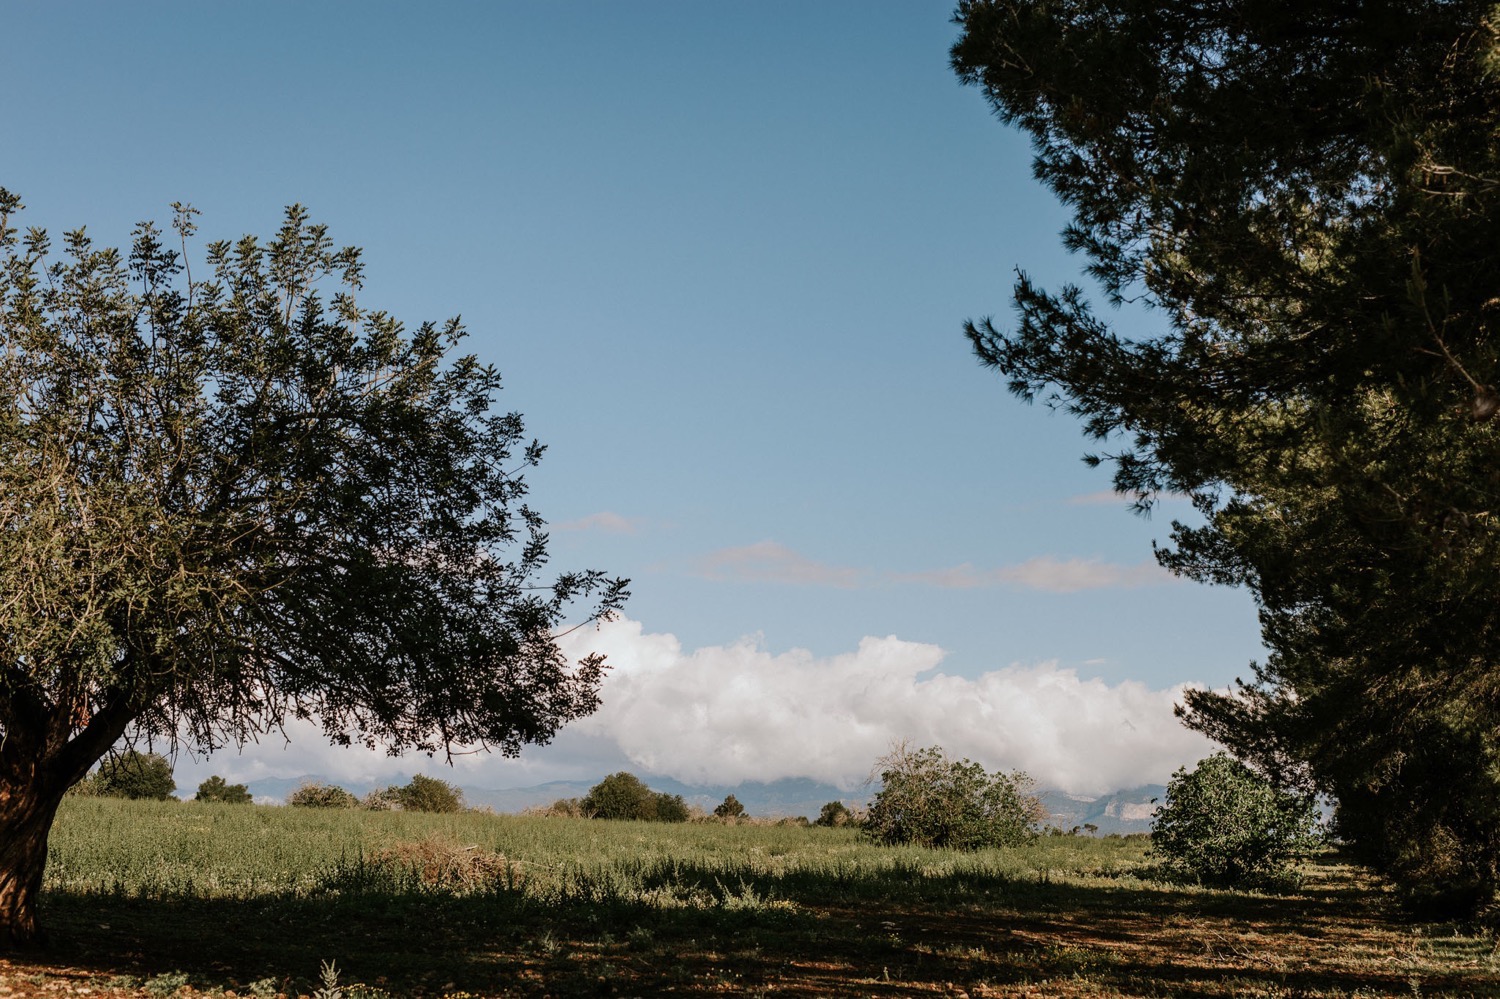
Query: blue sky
(722, 255)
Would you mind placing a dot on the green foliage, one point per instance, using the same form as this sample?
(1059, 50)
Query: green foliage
(1222, 824)
(133, 774)
(166, 984)
(316, 795)
(218, 789)
(729, 808)
(619, 796)
(929, 800)
(834, 814)
(1307, 199)
(428, 794)
(737, 899)
(669, 808)
(234, 495)
(623, 796)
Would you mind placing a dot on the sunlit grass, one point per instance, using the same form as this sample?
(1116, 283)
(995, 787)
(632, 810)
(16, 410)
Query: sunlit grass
(235, 895)
(158, 849)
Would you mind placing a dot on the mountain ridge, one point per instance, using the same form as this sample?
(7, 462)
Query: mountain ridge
(1127, 810)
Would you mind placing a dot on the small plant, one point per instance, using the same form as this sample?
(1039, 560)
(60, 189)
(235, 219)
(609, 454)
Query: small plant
(217, 789)
(316, 795)
(328, 982)
(1223, 824)
(165, 984)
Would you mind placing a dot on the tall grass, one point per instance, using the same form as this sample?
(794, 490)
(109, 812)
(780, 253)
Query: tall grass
(169, 849)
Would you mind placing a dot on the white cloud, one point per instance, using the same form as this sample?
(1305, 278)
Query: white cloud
(723, 714)
(773, 562)
(1067, 575)
(1046, 572)
(606, 521)
(727, 713)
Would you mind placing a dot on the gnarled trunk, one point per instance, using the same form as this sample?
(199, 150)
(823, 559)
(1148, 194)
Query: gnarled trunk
(26, 815)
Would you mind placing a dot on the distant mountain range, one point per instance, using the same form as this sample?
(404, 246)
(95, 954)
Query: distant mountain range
(1118, 812)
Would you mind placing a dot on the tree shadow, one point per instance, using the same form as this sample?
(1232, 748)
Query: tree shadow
(700, 927)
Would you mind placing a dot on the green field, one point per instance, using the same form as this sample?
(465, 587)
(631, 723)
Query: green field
(142, 897)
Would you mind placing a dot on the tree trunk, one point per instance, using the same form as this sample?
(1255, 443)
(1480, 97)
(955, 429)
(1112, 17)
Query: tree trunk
(26, 816)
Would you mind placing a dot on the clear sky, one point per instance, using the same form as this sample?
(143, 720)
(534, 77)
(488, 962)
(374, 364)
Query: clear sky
(722, 255)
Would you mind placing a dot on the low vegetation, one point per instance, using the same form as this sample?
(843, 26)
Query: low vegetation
(150, 897)
(1222, 824)
(625, 796)
(130, 774)
(216, 788)
(927, 799)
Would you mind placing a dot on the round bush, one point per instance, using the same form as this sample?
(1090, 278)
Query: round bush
(1222, 824)
(620, 796)
(624, 796)
(135, 775)
(218, 789)
(927, 799)
(428, 794)
(315, 795)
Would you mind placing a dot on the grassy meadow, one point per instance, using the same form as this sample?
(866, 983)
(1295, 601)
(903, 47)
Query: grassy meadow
(148, 898)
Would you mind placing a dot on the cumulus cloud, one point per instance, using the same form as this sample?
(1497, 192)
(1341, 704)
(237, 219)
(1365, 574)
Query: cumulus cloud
(728, 713)
(605, 520)
(773, 562)
(724, 714)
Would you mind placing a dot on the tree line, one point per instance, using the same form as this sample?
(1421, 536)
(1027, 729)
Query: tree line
(1304, 199)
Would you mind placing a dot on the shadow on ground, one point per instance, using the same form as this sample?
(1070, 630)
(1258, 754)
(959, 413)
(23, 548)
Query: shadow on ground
(689, 929)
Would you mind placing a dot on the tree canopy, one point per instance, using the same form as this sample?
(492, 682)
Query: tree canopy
(218, 789)
(1223, 824)
(1305, 198)
(235, 495)
(133, 774)
(928, 799)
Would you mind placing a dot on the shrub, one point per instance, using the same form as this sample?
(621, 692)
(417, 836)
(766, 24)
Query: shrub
(927, 799)
(834, 814)
(668, 808)
(729, 808)
(385, 799)
(619, 796)
(217, 789)
(428, 794)
(1222, 824)
(562, 808)
(624, 796)
(135, 775)
(315, 795)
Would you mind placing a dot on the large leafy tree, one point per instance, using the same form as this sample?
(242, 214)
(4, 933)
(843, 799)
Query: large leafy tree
(229, 499)
(1307, 198)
